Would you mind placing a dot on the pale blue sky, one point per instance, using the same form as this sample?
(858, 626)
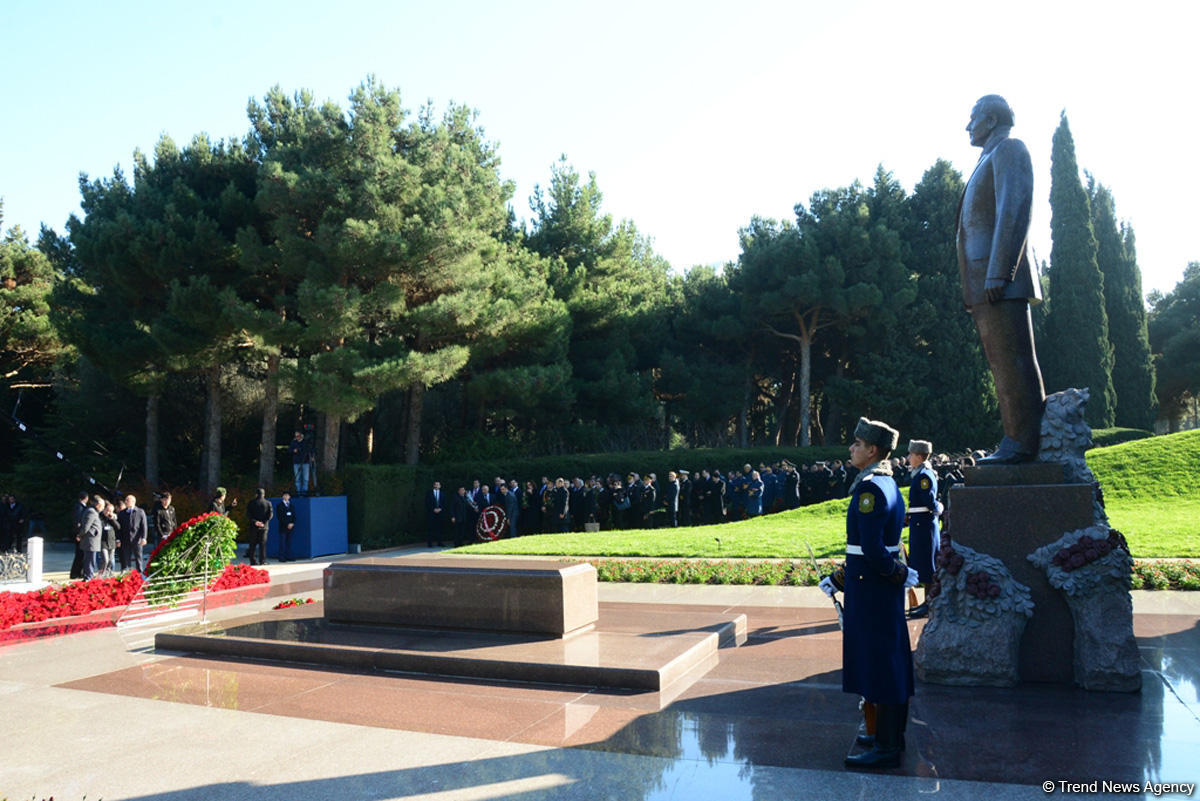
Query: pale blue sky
(693, 115)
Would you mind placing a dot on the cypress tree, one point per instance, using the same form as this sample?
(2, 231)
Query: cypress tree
(1133, 366)
(1077, 349)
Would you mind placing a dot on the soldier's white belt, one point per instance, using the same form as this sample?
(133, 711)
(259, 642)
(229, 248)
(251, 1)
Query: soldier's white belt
(919, 509)
(856, 550)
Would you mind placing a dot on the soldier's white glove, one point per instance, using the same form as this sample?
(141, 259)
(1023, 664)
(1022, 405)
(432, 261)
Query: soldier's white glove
(912, 579)
(827, 587)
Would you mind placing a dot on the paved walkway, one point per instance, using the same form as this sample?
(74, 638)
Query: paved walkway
(100, 714)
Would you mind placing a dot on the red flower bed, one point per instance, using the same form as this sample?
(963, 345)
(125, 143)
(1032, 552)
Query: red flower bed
(76, 598)
(235, 576)
(82, 597)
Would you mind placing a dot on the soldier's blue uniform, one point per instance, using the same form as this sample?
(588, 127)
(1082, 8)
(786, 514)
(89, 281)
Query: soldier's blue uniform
(876, 655)
(924, 535)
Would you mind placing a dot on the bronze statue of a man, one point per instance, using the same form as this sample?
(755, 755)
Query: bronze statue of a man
(998, 280)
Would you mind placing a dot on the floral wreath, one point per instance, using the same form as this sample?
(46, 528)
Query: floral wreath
(195, 554)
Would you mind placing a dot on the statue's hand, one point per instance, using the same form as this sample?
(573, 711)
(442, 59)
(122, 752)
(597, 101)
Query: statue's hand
(994, 289)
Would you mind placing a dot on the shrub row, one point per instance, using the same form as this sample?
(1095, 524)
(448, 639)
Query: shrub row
(1148, 574)
(1103, 437)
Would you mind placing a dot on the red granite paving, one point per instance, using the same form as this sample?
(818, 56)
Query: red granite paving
(776, 700)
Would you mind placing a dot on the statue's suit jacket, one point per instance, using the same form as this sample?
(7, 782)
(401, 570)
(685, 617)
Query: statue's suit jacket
(993, 225)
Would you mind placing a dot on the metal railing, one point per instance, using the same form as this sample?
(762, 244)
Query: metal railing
(174, 596)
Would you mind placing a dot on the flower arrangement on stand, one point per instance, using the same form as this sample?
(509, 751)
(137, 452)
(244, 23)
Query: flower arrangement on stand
(189, 556)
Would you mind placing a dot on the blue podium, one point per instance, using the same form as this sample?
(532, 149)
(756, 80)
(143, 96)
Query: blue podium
(320, 528)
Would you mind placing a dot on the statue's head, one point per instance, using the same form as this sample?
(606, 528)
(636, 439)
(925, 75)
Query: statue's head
(991, 112)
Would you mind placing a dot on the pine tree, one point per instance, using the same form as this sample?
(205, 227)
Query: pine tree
(958, 410)
(821, 279)
(1077, 348)
(615, 288)
(393, 230)
(29, 345)
(1133, 366)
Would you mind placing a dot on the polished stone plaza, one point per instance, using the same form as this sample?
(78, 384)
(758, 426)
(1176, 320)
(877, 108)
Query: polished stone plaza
(102, 714)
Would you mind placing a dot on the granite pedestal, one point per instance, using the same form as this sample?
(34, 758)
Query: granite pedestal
(504, 619)
(527, 596)
(1009, 511)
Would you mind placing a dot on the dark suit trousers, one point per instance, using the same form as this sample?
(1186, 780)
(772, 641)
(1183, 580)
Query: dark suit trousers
(1006, 330)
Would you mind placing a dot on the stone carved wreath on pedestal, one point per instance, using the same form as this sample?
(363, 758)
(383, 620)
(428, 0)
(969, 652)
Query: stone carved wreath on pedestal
(974, 587)
(1086, 561)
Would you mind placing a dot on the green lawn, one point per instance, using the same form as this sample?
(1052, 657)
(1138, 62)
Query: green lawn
(781, 535)
(1152, 492)
(1151, 488)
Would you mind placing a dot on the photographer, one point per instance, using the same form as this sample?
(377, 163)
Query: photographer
(301, 454)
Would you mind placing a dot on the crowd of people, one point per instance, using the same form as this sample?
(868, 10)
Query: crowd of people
(113, 537)
(682, 498)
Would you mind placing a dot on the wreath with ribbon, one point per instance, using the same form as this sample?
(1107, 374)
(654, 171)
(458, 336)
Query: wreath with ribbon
(492, 523)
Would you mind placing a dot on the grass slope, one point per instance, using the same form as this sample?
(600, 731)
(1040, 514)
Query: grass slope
(1151, 488)
(1152, 492)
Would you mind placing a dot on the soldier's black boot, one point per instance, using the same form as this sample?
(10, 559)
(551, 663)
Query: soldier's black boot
(889, 724)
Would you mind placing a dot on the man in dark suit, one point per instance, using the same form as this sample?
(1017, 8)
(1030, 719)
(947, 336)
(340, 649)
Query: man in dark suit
(562, 506)
(259, 512)
(511, 504)
(285, 513)
(997, 277)
(132, 522)
(435, 504)
(671, 500)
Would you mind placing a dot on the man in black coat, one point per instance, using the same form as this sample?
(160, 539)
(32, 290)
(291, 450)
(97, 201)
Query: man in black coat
(12, 522)
(649, 501)
(685, 498)
(286, 514)
(163, 518)
(460, 516)
(561, 508)
(260, 512)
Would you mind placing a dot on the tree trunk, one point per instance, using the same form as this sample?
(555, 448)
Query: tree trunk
(412, 445)
(805, 389)
(781, 408)
(332, 440)
(743, 420)
(212, 429)
(833, 423)
(152, 441)
(266, 446)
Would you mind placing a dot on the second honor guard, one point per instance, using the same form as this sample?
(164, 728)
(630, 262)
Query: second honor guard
(924, 536)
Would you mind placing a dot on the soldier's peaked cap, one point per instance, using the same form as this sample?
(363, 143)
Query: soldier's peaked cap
(876, 432)
(920, 446)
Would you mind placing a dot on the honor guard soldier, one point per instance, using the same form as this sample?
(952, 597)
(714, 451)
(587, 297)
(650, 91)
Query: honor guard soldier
(876, 654)
(922, 519)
